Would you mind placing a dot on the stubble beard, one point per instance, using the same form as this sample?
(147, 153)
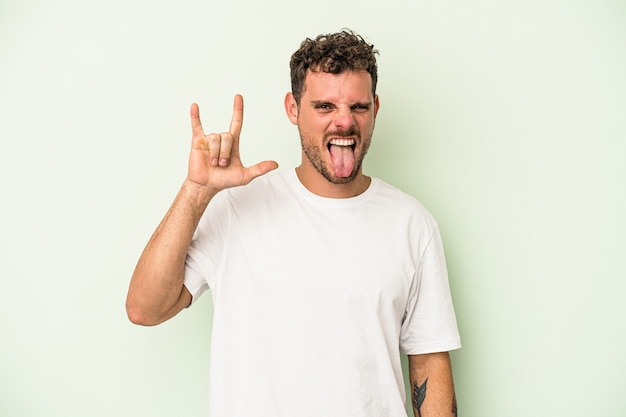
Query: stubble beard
(315, 155)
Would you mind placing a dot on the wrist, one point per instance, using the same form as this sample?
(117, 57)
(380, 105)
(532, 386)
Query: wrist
(197, 195)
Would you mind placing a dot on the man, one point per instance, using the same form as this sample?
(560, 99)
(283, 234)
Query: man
(321, 276)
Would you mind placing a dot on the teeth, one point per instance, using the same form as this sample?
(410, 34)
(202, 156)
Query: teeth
(342, 142)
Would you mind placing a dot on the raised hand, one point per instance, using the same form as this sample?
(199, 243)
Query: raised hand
(214, 161)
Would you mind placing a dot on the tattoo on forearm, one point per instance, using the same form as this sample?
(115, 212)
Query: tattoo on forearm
(419, 394)
(454, 405)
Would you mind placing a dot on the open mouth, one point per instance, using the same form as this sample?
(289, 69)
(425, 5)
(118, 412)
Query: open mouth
(342, 155)
(342, 142)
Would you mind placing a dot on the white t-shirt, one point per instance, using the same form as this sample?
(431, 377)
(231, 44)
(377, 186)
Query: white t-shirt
(316, 298)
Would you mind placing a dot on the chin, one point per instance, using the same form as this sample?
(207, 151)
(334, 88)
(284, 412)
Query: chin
(334, 179)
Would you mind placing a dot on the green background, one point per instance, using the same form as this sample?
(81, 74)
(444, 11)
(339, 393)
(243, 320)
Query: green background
(507, 119)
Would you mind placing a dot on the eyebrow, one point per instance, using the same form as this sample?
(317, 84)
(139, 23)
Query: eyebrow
(328, 103)
(315, 103)
(362, 103)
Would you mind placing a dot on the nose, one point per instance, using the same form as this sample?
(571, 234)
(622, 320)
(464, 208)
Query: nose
(344, 119)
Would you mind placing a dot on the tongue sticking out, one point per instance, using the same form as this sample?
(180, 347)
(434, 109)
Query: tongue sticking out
(343, 160)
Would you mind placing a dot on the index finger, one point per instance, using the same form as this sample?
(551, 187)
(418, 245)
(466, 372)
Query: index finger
(237, 120)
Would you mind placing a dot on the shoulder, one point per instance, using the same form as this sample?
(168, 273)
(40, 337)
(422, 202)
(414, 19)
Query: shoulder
(400, 202)
(405, 214)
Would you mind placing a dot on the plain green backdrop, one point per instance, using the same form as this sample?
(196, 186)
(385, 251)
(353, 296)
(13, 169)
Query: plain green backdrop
(507, 119)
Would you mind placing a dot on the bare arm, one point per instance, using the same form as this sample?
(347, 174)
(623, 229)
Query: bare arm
(156, 291)
(432, 388)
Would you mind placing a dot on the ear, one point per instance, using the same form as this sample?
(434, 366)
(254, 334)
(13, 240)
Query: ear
(291, 107)
(376, 105)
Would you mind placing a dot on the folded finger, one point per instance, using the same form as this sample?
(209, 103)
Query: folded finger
(226, 147)
(214, 143)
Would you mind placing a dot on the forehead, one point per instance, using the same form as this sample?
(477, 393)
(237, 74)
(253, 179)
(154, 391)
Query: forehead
(349, 86)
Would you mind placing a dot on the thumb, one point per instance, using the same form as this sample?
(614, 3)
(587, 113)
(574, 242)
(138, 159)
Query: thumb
(261, 168)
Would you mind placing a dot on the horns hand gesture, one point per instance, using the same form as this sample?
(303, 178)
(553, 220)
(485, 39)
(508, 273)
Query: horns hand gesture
(214, 161)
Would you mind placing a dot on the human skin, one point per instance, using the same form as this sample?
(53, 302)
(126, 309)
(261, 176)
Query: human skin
(333, 102)
(334, 107)
(338, 103)
(431, 373)
(330, 103)
(156, 292)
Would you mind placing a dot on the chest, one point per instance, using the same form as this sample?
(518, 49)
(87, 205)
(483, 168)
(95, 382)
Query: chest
(355, 262)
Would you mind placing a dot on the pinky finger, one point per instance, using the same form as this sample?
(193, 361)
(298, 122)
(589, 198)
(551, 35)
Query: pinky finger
(196, 124)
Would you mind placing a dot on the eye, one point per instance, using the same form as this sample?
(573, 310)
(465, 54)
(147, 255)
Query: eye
(323, 106)
(360, 108)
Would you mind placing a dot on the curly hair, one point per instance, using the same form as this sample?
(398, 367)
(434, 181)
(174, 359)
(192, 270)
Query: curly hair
(332, 53)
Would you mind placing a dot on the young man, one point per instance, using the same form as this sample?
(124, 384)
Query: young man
(321, 276)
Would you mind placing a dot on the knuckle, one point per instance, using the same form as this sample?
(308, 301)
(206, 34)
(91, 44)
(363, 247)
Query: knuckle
(227, 140)
(213, 138)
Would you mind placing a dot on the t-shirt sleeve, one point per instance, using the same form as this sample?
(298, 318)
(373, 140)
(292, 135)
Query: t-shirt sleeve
(206, 248)
(195, 278)
(430, 323)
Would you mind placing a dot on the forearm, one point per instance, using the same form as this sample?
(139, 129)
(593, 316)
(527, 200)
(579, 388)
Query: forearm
(432, 387)
(156, 286)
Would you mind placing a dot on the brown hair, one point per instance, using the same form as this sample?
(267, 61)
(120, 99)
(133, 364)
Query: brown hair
(333, 53)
